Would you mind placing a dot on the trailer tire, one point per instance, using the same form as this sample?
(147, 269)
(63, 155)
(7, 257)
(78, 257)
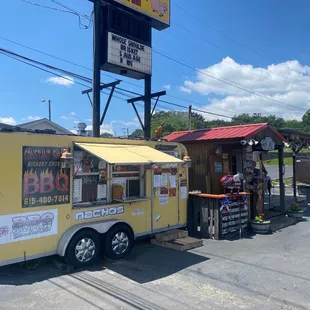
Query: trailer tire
(83, 249)
(118, 241)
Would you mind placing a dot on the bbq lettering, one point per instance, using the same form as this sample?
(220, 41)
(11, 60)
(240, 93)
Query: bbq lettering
(43, 179)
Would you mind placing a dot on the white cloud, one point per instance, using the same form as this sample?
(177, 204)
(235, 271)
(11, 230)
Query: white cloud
(32, 118)
(64, 81)
(65, 118)
(167, 87)
(72, 114)
(185, 90)
(8, 120)
(287, 82)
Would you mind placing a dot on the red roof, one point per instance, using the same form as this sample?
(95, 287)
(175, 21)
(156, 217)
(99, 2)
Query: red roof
(221, 133)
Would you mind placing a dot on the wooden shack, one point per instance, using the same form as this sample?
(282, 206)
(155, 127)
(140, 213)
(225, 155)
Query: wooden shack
(220, 151)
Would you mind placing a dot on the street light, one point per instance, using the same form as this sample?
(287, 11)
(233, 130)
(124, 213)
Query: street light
(49, 108)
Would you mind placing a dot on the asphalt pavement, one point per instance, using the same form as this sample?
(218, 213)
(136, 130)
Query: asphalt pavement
(273, 172)
(257, 272)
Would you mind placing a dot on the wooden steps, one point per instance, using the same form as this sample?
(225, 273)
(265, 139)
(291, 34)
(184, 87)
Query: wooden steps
(176, 240)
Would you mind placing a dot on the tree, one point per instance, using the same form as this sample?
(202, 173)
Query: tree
(176, 121)
(106, 135)
(306, 118)
(138, 133)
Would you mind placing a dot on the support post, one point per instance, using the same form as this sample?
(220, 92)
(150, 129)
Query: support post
(147, 106)
(282, 192)
(294, 176)
(96, 68)
(49, 111)
(190, 117)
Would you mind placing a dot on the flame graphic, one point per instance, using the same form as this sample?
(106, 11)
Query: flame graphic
(31, 174)
(46, 174)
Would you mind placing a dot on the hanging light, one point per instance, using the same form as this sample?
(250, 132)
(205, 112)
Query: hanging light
(251, 142)
(66, 159)
(187, 161)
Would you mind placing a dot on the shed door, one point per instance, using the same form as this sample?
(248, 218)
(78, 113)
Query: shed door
(236, 162)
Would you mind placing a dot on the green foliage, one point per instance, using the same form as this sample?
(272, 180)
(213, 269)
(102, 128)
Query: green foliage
(306, 118)
(138, 133)
(176, 121)
(106, 135)
(295, 208)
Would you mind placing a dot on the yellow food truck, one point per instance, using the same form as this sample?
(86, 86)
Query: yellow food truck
(75, 196)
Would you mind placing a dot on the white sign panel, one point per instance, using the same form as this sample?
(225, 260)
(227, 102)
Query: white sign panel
(129, 54)
(25, 226)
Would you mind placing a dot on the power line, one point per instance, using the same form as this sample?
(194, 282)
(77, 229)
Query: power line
(68, 10)
(229, 37)
(224, 81)
(86, 68)
(26, 60)
(228, 63)
(227, 51)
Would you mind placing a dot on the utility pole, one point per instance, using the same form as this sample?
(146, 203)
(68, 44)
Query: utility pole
(147, 106)
(49, 109)
(96, 68)
(190, 117)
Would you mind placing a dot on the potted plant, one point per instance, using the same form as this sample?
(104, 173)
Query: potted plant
(260, 225)
(295, 211)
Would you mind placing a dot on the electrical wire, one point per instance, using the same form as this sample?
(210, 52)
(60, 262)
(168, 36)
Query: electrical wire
(89, 80)
(228, 62)
(227, 51)
(236, 85)
(231, 38)
(104, 74)
(68, 10)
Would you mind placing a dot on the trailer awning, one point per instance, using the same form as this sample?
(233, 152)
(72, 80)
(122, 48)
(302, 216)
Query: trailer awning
(128, 154)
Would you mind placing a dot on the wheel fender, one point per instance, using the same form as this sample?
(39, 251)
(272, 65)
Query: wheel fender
(100, 227)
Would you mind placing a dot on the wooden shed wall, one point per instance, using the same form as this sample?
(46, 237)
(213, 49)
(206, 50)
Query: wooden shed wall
(202, 175)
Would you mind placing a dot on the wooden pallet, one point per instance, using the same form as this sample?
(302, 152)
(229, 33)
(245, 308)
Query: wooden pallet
(176, 240)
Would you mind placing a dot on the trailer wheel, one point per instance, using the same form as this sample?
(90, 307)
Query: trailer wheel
(118, 241)
(83, 249)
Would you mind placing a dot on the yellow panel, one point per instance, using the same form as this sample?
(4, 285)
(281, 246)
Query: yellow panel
(128, 154)
(158, 10)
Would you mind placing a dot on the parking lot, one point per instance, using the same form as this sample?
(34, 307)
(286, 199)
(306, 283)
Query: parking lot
(257, 272)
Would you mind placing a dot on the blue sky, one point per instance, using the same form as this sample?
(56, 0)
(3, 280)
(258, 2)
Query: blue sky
(271, 59)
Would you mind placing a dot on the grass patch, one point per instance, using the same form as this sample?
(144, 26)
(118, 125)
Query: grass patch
(286, 150)
(288, 161)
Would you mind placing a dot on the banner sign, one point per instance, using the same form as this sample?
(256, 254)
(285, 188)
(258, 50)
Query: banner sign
(26, 226)
(44, 182)
(157, 10)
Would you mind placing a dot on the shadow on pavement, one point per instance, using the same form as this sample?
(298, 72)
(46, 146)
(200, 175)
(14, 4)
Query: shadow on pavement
(139, 266)
(148, 263)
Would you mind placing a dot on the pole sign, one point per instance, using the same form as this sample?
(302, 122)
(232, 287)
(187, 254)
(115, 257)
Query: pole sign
(126, 43)
(124, 53)
(157, 10)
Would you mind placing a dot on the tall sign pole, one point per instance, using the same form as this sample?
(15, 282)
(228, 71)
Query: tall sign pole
(123, 45)
(147, 106)
(96, 68)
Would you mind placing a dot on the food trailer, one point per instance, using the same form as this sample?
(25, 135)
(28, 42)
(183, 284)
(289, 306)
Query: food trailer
(75, 196)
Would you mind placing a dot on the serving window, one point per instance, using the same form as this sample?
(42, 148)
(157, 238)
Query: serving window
(128, 182)
(95, 181)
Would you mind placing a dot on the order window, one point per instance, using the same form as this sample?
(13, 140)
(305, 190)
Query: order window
(127, 182)
(97, 182)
